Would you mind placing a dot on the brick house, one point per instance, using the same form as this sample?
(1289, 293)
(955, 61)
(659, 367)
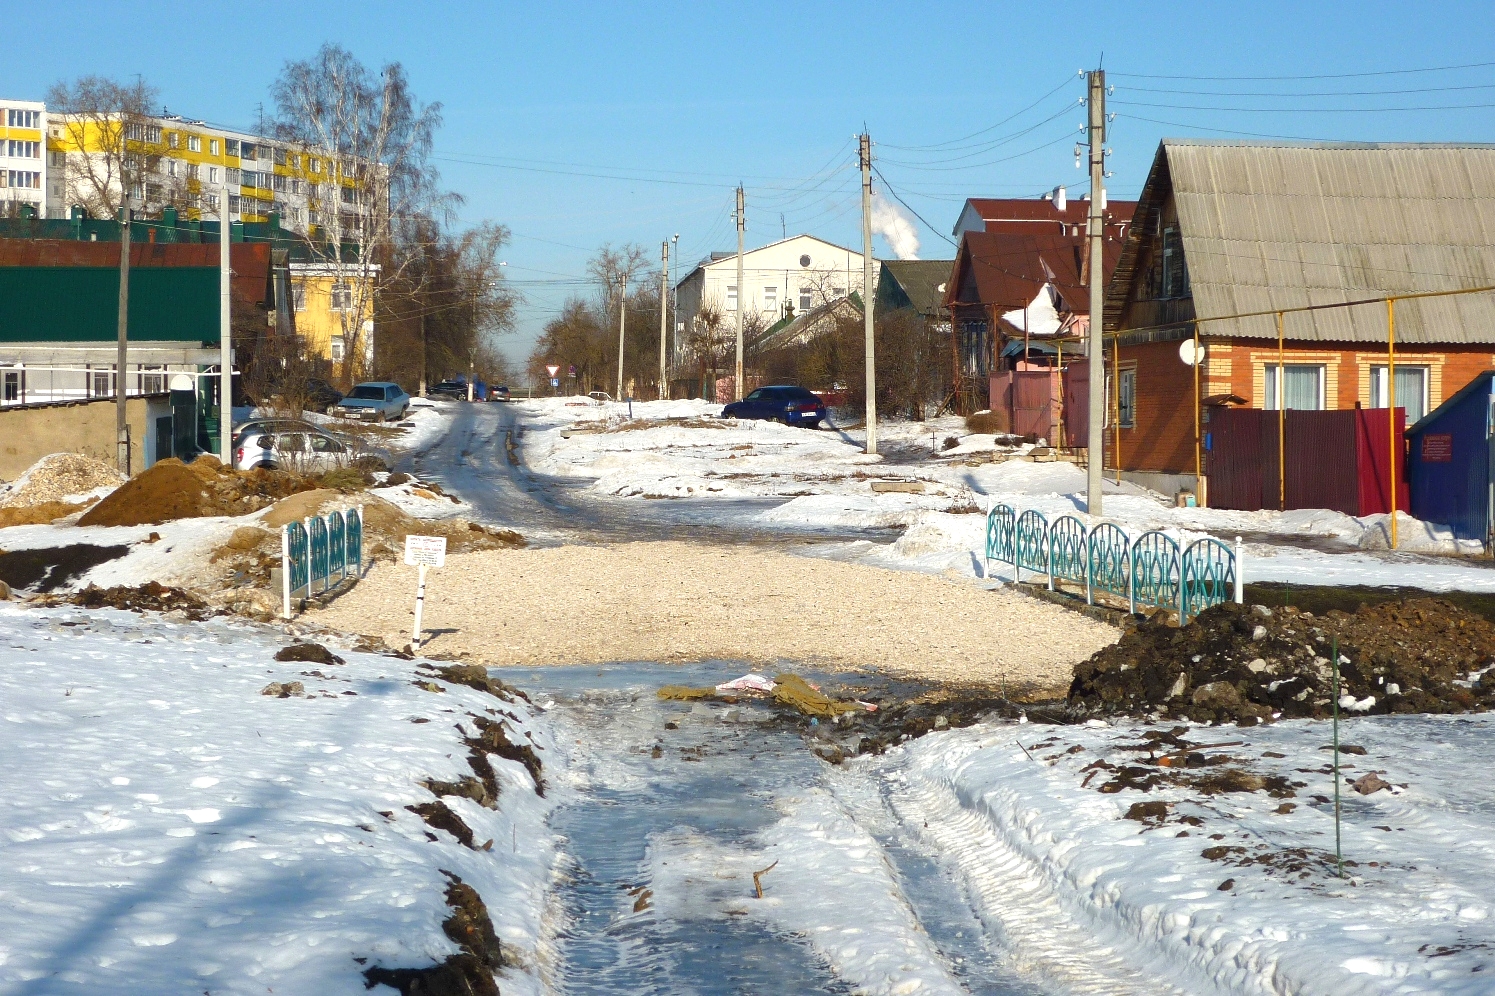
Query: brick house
(1252, 228)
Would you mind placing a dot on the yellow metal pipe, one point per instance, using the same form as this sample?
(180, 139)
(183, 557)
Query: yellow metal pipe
(1281, 419)
(1391, 406)
(1198, 439)
(1116, 389)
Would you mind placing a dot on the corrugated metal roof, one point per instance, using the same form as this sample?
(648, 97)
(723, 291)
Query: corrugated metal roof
(1268, 226)
(922, 281)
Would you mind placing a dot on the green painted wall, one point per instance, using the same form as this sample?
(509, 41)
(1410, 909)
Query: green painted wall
(81, 304)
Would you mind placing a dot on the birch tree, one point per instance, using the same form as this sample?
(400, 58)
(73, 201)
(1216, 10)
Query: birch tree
(105, 128)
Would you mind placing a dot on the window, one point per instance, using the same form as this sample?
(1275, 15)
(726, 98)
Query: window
(101, 383)
(731, 297)
(212, 201)
(212, 174)
(233, 176)
(280, 157)
(296, 187)
(279, 181)
(21, 178)
(806, 299)
(1126, 399)
(194, 172)
(25, 150)
(316, 165)
(298, 295)
(770, 299)
(337, 348)
(246, 151)
(1175, 272)
(231, 146)
(1303, 387)
(24, 119)
(342, 296)
(14, 386)
(173, 139)
(194, 143)
(1411, 390)
(171, 167)
(212, 146)
(233, 203)
(152, 383)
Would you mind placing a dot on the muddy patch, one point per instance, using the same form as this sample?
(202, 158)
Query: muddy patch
(49, 569)
(466, 973)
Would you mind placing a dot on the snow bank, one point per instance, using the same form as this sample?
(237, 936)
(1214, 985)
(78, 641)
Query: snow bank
(167, 828)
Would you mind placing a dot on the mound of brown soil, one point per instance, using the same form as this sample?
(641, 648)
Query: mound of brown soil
(1250, 663)
(39, 514)
(173, 490)
(151, 596)
(58, 475)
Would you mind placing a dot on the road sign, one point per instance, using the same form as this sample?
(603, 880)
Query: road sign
(555, 382)
(553, 370)
(425, 551)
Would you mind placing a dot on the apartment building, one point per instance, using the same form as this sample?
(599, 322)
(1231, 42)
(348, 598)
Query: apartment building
(187, 164)
(23, 165)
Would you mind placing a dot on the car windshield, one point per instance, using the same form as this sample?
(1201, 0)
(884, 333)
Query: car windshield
(758, 395)
(368, 392)
(795, 394)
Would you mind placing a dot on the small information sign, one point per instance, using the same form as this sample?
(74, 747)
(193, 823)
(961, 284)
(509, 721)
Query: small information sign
(425, 551)
(1437, 447)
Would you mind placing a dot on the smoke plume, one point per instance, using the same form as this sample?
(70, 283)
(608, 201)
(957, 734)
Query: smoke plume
(895, 226)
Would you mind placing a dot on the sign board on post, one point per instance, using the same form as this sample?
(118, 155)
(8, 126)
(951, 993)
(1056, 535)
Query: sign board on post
(553, 370)
(423, 552)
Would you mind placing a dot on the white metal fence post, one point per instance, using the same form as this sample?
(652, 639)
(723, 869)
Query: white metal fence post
(1240, 572)
(285, 568)
(1089, 589)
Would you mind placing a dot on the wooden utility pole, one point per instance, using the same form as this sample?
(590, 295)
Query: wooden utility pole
(622, 324)
(121, 424)
(867, 290)
(225, 333)
(741, 297)
(1096, 440)
(664, 317)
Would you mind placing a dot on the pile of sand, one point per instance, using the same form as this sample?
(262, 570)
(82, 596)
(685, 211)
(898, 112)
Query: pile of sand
(173, 490)
(58, 476)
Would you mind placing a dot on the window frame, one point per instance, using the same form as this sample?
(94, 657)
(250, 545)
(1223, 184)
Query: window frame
(1378, 391)
(1126, 413)
(1274, 387)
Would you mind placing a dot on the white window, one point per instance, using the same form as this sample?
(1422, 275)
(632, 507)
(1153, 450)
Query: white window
(101, 383)
(194, 172)
(298, 296)
(731, 297)
(24, 150)
(173, 139)
(171, 167)
(152, 383)
(233, 203)
(1411, 390)
(212, 174)
(1126, 400)
(14, 387)
(233, 176)
(231, 147)
(212, 200)
(336, 348)
(24, 119)
(316, 165)
(194, 143)
(342, 296)
(806, 298)
(771, 299)
(212, 146)
(1302, 386)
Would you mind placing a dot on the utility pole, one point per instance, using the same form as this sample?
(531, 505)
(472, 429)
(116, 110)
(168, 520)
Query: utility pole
(121, 425)
(741, 297)
(225, 334)
(424, 302)
(1097, 365)
(664, 316)
(622, 324)
(871, 419)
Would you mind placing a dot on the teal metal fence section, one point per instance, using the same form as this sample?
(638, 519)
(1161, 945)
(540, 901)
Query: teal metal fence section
(353, 551)
(295, 563)
(1151, 570)
(316, 529)
(1156, 571)
(337, 555)
(321, 552)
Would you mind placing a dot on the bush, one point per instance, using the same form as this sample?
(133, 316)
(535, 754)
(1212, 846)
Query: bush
(993, 422)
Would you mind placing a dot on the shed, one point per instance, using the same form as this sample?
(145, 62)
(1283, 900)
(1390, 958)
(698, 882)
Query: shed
(1449, 461)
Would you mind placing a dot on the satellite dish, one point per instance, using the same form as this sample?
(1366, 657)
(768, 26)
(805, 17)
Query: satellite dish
(181, 382)
(1190, 353)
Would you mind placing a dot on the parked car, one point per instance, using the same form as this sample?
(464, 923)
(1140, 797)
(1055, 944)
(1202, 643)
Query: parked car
(303, 450)
(376, 401)
(601, 397)
(500, 394)
(320, 395)
(453, 387)
(780, 403)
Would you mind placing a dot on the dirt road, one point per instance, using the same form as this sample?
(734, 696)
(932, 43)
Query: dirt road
(677, 602)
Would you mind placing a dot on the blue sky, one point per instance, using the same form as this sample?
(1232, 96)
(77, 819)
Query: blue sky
(578, 124)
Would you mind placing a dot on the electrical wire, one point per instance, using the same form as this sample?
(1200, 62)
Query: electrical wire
(1321, 76)
(989, 146)
(1068, 136)
(1309, 93)
(900, 200)
(940, 146)
(1304, 110)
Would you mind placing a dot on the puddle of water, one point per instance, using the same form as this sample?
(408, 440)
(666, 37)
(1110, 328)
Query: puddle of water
(649, 795)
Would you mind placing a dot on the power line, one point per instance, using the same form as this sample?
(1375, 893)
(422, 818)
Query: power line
(1305, 110)
(1068, 136)
(996, 143)
(1321, 76)
(1308, 93)
(940, 146)
(905, 203)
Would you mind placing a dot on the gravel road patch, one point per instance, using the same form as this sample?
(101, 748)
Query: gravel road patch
(680, 602)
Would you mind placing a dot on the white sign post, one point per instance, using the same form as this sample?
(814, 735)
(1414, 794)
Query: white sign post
(423, 552)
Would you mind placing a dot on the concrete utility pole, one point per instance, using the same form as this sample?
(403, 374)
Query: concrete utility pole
(622, 324)
(225, 333)
(121, 425)
(741, 297)
(1097, 364)
(867, 289)
(664, 317)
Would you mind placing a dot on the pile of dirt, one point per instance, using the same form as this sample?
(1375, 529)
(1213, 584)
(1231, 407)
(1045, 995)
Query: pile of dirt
(469, 972)
(1250, 664)
(57, 476)
(386, 526)
(173, 490)
(39, 514)
(148, 597)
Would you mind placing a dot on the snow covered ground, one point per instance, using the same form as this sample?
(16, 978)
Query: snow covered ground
(1232, 892)
(680, 449)
(167, 828)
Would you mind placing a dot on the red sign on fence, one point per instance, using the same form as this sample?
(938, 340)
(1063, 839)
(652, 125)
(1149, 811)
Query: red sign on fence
(1437, 447)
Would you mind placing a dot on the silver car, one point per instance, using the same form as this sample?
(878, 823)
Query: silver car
(307, 451)
(375, 401)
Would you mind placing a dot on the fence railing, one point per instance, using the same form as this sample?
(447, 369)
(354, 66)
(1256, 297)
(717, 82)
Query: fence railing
(1152, 569)
(318, 553)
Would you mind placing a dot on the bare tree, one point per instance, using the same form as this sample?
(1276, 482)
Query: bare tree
(376, 139)
(106, 130)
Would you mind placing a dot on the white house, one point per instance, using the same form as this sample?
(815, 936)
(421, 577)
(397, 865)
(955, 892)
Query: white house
(23, 170)
(788, 277)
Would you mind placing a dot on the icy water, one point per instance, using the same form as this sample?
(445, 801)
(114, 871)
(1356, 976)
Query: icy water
(647, 795)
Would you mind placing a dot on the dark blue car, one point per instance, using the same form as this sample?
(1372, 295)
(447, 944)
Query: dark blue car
(790, 405)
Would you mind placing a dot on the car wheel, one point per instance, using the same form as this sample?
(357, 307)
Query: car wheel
(380, 418)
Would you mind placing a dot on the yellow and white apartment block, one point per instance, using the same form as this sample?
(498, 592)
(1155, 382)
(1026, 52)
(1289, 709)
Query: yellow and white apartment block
(23, 164)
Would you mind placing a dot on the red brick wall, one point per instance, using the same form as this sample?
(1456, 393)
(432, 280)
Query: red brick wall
(1162, 438)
